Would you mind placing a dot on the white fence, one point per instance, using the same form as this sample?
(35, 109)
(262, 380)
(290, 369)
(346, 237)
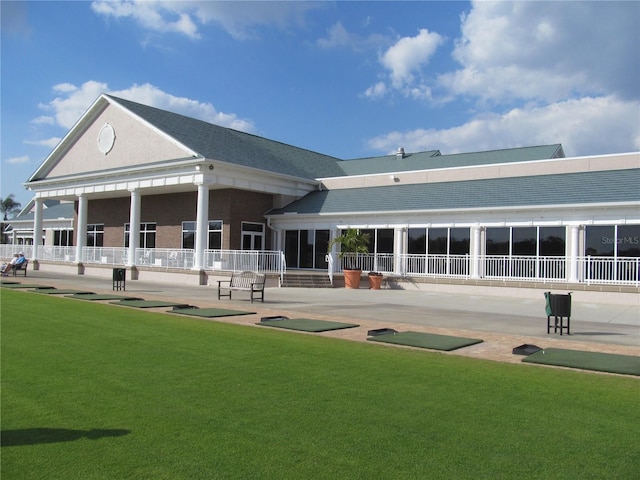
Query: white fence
(590, 270)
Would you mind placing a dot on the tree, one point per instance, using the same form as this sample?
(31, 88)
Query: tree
(352, 242)
(9, 207)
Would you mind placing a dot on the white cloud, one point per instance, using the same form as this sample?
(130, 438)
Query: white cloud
(44, 120)
(68, 107)
(18, 160)
(339, 37)
(376, 91)
(47, 142)
(409, 55)
(405, 61)
(163, 17)
(547, 51)
(185, 17)
(587, 126)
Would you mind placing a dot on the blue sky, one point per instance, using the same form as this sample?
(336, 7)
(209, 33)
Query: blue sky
(348, 79)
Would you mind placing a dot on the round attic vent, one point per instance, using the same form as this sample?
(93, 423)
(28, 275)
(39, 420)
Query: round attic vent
(106, 138)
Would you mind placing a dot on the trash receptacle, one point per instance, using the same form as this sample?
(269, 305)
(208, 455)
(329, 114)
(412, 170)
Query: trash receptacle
(558, 307)
(119, 278)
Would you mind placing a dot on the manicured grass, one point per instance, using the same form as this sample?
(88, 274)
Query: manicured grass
(95, 391)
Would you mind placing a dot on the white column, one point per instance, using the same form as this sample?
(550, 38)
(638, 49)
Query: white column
(574, 244)
(134, 226)
(81, 236)
(37, 229)
(476, 251)
(399, 235)
(202, 226)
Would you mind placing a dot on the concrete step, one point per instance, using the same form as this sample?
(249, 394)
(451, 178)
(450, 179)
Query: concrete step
(306, 280)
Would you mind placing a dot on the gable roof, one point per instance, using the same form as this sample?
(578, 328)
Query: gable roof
(611, 186)
(56, 211)
(232, 146)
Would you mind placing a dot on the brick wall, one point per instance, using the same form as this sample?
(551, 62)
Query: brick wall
(169, 211)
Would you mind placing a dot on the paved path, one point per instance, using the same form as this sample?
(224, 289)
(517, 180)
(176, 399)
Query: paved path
(503, 323)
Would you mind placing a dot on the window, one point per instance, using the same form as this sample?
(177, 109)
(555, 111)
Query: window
(417, 241)
(63, 238)
(600, 241)
(437, 241)
(189, 235)
(147, 235)
(551, 241)
(613, 241)
(524, 241)
(459, 241)
(498, 241)
(306, 248)
(214, 235)
(628, 241)
(95, 235)
(252, 236)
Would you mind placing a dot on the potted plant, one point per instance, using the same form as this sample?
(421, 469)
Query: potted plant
(352, 243)
(375, 280)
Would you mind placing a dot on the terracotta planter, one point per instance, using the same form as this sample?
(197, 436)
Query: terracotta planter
(375, 281)
(352, 278)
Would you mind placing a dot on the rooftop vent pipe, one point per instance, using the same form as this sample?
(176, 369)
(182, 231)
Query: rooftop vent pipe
(400, 152)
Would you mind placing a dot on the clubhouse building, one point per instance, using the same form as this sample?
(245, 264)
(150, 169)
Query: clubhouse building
(168, 196)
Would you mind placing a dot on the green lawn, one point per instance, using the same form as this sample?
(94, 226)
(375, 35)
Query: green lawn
(94, 391)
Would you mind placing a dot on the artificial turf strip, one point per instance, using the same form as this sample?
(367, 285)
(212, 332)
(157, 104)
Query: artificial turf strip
(600, 362)
(306, 324)
(426, 340)
(148, 303)
(96, 392)
(61, 291)
(25, 285)
(102, 296)
(209, 312)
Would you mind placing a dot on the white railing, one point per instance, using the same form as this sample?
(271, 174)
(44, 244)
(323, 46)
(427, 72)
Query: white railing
(105, 255)
(607, 270)
(535, 269)
(590, 270)
(453, 266)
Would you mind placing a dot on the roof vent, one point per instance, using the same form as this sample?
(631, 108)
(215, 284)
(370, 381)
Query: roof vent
(400, 152)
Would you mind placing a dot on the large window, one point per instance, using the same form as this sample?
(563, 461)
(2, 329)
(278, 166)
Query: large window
(613, 240)
(95, 235)
(214, 235)
(147, 235)
(526, 241)
(63, 238)
(439, 241)
(306, 248)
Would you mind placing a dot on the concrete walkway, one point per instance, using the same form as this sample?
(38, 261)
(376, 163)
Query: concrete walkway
(503, 323)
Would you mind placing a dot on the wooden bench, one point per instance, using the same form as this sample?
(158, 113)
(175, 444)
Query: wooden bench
(22, 267)
(243, 282)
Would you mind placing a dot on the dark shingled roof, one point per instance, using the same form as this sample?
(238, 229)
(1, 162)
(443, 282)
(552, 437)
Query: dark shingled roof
(232, 146)
(433, 159)
(562, 189)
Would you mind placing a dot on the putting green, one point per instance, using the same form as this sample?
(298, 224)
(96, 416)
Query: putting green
(148, 303)
(209, 312)
(426, 340)
(306, 324)
(600, 362)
